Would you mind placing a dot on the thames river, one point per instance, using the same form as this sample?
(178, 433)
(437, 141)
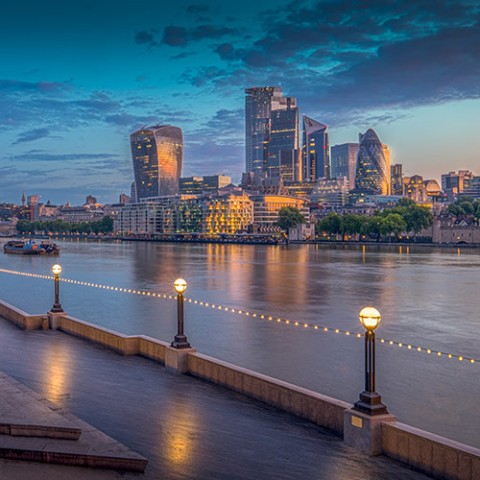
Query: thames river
(427, 297)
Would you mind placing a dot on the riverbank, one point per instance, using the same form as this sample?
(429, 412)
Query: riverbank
(251, 240)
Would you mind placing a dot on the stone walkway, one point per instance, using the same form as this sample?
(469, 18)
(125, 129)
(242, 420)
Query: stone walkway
(186, 428)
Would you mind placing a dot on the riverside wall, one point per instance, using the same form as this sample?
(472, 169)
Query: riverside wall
(434, 455)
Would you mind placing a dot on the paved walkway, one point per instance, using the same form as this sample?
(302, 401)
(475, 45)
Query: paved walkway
(188, 429)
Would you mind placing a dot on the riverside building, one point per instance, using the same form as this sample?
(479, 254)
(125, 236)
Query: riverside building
(157, 155)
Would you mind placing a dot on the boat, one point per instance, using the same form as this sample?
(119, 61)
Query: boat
(29, 247)
(50, 247)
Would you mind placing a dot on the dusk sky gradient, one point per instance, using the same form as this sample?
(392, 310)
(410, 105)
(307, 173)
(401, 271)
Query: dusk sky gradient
(77, 77)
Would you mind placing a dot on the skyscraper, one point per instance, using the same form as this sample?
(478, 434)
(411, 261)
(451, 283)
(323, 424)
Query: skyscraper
(372, 175)
(344, 161)
(271, 132)
(282, 154)
(316, 150)
(396, 179)
(157, 155)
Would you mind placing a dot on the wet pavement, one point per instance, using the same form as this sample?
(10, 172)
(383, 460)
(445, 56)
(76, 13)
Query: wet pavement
(187, 428)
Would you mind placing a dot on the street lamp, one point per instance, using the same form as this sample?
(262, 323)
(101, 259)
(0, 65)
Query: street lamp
(57, 308)
(370, 401)
(180, 340)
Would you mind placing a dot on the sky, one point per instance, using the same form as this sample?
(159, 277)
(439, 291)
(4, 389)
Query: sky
(78, 76)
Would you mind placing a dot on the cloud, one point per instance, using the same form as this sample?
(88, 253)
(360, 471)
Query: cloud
(344, 60)
(32, 135)
(146, 37)
(18, 86)
(42, 156)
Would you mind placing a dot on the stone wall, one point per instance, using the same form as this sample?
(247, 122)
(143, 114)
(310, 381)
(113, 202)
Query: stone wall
(436, 456)
(320, 409)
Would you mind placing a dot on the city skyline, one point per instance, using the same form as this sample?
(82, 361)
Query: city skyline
(73, 91)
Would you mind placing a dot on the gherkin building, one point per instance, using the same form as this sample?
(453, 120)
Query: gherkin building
(372, 174)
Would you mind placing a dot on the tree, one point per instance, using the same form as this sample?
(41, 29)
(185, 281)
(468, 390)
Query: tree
(392, 224)
(289, 217)
(332, 224)
(352, 224)
(417, 218)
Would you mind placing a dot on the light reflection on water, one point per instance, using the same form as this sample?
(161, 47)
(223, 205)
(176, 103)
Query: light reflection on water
(426, 296)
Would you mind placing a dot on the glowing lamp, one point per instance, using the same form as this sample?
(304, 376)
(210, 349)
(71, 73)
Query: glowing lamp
(180, 285)
(57, 269)
(370, 318)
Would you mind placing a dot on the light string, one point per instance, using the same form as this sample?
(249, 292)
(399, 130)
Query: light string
(261, 316)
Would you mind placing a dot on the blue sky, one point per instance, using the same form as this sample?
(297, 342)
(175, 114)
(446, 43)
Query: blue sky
(77, 77)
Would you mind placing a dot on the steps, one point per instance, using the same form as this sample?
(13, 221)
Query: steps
(34, 429)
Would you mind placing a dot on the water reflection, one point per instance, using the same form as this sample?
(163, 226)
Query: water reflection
(56, 377)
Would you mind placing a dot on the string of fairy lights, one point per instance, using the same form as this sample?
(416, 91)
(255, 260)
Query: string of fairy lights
(260, 316)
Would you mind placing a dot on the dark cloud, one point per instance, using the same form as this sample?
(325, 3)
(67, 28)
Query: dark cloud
(18, 86)
(175, 36)
(32, 135)
(146, 37)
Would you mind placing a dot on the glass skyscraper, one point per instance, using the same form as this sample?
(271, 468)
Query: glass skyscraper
(157, 155)
(344, 161)
(271, 132)
(282, 156)
(372, 175)
(316, 150)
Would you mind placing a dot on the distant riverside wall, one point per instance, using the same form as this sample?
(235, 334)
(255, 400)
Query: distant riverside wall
(434, 455)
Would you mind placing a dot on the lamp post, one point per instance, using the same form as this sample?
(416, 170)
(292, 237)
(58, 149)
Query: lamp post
(370, 401)
(180, 340)
(57, 308)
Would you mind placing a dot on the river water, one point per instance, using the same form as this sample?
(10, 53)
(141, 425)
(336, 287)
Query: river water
(427, 297)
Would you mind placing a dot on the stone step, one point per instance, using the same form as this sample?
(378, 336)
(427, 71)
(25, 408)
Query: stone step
(36, 430)
(26, 413)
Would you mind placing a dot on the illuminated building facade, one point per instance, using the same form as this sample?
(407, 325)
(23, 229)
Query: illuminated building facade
(372, 175)
(266, 208)
(157, 154)
(344, 161)
(316, 150)
(227, 214)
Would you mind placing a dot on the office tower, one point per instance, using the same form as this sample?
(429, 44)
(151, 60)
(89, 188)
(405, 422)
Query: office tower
(454, 183)
(372, 175)
(271, 131)
(396, 176)
(344, 161)
(316, 150)
(198, 185)
(282, 158)
(157, 154)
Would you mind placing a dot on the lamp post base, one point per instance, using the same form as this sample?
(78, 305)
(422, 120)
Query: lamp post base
(371, 404)
(180, 341)
(56, 308)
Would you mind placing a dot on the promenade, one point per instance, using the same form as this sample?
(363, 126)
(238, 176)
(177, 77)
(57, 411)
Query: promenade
(186, 428)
